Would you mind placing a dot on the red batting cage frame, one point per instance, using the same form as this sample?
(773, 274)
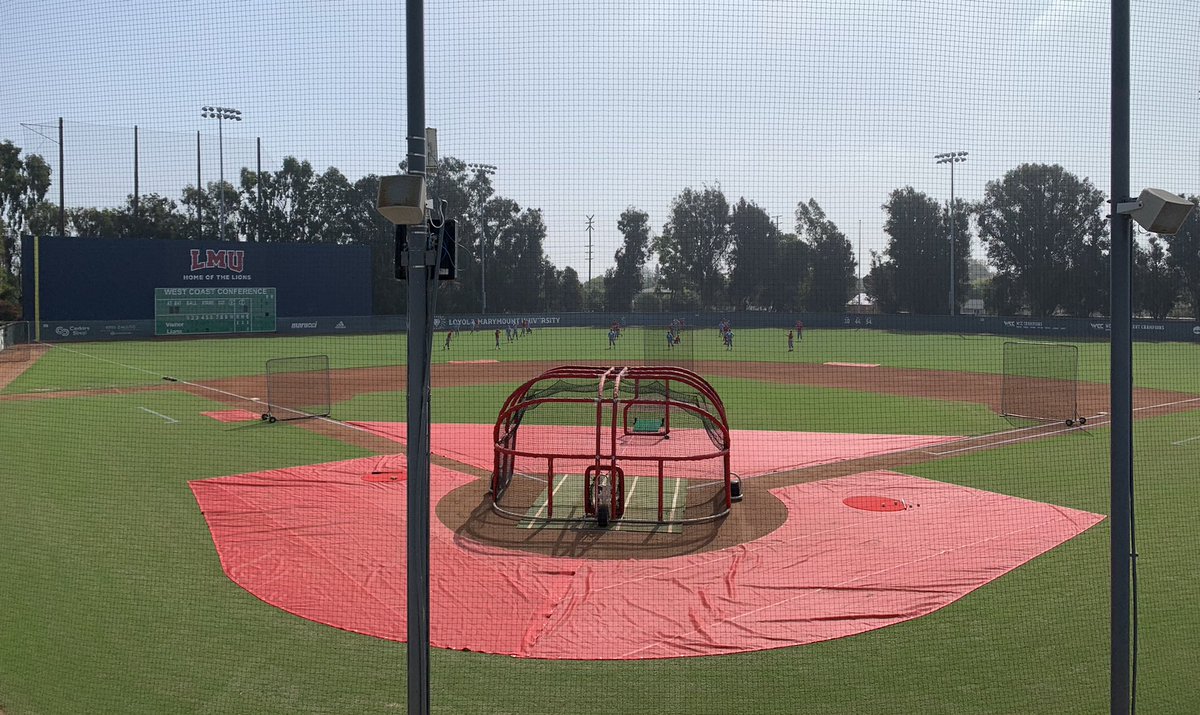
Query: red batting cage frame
(576, 443)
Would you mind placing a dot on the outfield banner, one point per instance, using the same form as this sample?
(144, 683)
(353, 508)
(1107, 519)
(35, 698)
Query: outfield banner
(1023, 327)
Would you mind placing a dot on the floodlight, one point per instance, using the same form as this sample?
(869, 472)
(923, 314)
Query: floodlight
(401, 199)
(1157, 211)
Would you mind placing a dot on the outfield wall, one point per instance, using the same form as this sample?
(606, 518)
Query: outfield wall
(188, 287)
(1055, 329)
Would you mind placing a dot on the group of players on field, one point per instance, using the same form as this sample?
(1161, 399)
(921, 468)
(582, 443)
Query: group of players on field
(516, 329)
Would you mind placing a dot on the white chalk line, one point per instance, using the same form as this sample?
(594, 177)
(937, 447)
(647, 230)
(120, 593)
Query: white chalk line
(170, 420)
(211, 389)
(542, 508)
(1185, 441)
(942, 453)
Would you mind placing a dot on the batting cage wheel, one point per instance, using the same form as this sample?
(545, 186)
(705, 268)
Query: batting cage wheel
(586, 444)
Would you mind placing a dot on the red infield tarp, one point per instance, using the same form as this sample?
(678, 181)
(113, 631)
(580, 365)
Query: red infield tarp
(754, 452)
(233, 416)
(325, 544)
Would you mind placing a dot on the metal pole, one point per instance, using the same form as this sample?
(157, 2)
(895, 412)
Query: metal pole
(200, 193)
(1120, 377)
(62, 192)
(135, 171)
(589, 230)
(482, 266)
(952, 238)
(221, 168)
(258, 185)
(419, 339)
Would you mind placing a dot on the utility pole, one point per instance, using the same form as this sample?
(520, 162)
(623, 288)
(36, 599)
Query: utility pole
(221, 114)
(136, 192)
(589, 230)
(951, 158)
(487, 170)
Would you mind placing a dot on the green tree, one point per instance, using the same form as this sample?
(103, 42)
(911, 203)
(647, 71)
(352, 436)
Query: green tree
(831, 277)
(1155, 285)
(624, 280)
(1045, 233)
(23, 186)
(593, 295)
(1184, 258)
(880, 284)
(202, 207)
(916, 270)
(156, 217)
(516, 267)
(570, 291)
(755, 256)
(695, 243)
(787, 276)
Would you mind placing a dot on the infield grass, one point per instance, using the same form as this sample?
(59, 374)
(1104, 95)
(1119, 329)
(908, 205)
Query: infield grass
(114, 600)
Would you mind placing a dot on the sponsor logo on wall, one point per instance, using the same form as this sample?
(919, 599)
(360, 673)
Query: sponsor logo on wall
(70, 331)
(210, 264)
(305, 326)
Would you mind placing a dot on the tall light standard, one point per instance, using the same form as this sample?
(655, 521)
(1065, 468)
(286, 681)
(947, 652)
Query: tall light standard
(951, 158)
(220, 114)
(487, 170)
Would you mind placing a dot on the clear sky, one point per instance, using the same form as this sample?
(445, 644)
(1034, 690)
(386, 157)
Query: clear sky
(590, 107)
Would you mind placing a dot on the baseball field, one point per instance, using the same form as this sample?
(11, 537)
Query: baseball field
(121, 597)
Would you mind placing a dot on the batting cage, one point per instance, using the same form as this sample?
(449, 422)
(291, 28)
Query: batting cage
(613, 445)
(1041, 382)
(15, 342)
(297, 388)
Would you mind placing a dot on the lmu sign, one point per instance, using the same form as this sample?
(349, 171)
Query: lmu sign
(223, 259)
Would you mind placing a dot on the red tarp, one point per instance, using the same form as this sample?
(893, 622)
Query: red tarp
(322, 543)
(233, 416)
(753, 452)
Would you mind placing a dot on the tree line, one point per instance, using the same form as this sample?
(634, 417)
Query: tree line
(1045, 232)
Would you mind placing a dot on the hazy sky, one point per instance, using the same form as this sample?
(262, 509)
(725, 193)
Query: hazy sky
(588, 108)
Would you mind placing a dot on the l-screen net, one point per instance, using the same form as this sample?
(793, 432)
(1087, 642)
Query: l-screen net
(839, 211)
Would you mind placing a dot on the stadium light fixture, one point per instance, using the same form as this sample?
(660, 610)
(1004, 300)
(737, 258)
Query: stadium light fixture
(487, 169)
(951, 158)
(221, 114)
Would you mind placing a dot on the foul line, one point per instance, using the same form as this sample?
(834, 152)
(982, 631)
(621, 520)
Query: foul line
(206, 387)
(1054, 432)
(169, 420)
(1185, 441)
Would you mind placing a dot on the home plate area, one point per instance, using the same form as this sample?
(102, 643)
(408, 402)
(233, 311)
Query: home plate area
(327, 542)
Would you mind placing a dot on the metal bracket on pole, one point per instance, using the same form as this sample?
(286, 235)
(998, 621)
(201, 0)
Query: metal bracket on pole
(423, 258)
(1128, 206)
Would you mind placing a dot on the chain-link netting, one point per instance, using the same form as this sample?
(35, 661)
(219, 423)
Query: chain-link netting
(877, 233)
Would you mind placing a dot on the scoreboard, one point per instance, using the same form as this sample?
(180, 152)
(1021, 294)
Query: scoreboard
(213, 310)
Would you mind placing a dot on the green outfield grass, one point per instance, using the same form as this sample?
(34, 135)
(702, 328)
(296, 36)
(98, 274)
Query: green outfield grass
(1170, 366)
(801, 408)
(114, 600)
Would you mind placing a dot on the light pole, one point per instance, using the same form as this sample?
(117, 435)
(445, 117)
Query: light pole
(487, 170)
(951, 158)
(220, 114)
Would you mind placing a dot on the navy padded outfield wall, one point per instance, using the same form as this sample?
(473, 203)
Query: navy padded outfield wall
(66, 279)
